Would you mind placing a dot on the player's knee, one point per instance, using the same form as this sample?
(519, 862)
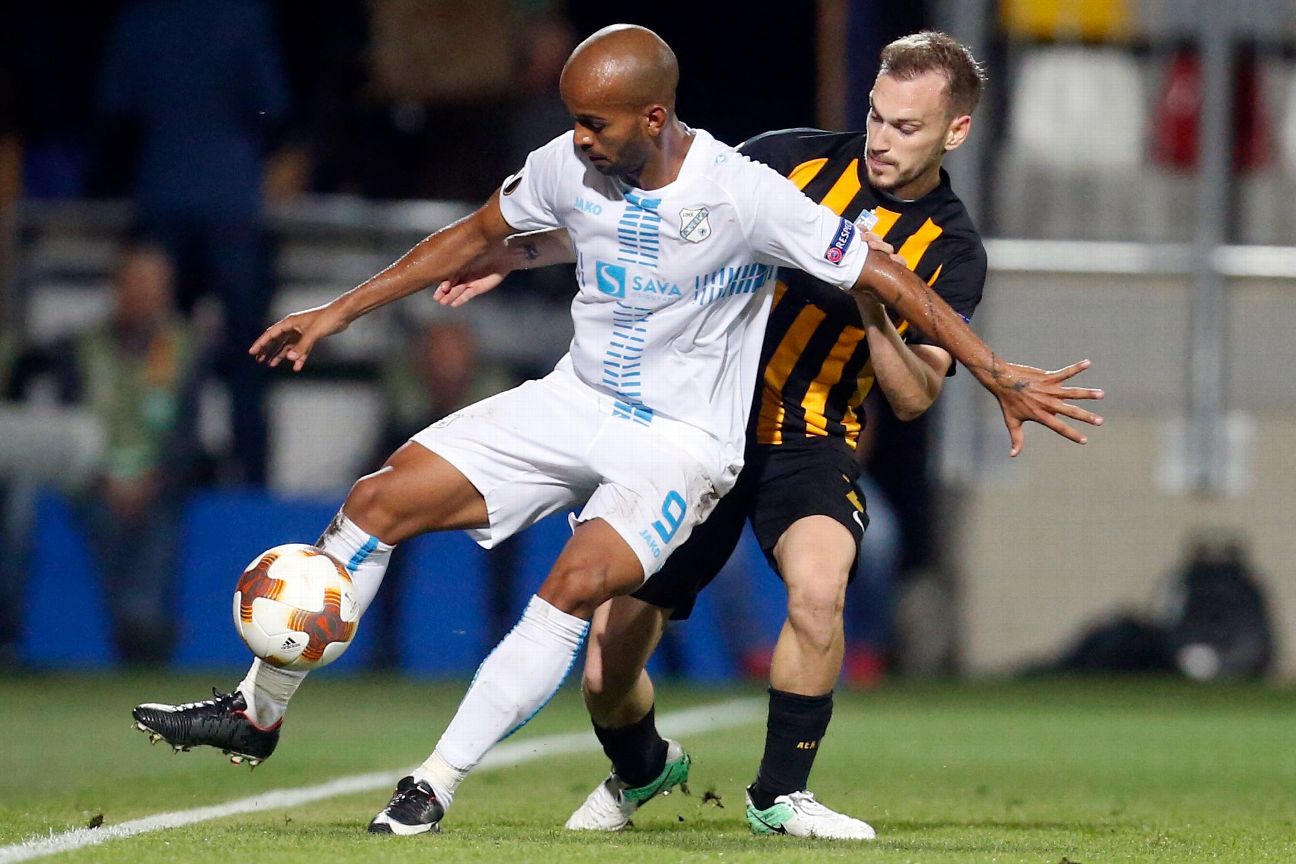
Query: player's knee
(815, 608)
(577, 586)
(369, 504)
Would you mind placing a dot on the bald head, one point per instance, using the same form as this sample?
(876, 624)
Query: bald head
(619, 86)
(624, 65)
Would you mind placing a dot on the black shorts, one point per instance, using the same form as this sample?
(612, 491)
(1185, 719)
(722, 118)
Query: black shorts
(778, 485)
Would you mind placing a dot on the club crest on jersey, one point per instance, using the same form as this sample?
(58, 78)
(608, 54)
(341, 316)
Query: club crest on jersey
(845, 235)
(866, 220)
(694, 224)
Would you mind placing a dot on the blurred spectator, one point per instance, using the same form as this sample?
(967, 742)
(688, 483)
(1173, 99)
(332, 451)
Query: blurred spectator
(437, 374)
(128, 451)
(138, 374)
(200, 87)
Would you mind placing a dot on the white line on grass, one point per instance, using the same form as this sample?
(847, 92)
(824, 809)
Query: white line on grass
(704, 718)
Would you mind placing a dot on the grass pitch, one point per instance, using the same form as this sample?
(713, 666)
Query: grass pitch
(1045, 772)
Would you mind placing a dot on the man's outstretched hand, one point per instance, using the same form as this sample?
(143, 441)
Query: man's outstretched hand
(1026, 393)
(292, 338)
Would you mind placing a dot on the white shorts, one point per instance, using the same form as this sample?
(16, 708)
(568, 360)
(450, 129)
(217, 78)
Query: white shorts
(557, 443)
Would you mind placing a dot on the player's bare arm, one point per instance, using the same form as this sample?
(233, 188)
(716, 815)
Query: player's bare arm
(431, 261)
(1024, 392)
(518, 252)
(909, 376)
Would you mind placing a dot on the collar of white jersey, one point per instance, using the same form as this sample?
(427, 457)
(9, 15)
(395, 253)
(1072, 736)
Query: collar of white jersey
(695, 162)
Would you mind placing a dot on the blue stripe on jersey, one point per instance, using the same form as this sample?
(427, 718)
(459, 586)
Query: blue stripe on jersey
(729, 281)
(638, 231)
(622, 360)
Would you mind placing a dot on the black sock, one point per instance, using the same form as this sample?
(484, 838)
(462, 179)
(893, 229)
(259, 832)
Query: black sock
(792, 735)
(637, 752)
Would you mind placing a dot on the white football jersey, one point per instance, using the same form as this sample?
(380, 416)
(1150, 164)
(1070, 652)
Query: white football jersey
(674, 283)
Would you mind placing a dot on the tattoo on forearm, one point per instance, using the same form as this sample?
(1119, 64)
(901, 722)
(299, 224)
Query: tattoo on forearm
(530, 251)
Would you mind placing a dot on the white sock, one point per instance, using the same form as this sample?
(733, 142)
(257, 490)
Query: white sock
(267, 688)
(365, 556)
(512, 684)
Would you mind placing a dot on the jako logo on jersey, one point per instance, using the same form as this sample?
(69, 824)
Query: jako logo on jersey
(845, 234)
(611, 278)
(866, 220)
(588, 207)
(694, 225)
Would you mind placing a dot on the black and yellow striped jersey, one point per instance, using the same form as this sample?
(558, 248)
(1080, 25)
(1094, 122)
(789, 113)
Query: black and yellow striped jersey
(815, 369)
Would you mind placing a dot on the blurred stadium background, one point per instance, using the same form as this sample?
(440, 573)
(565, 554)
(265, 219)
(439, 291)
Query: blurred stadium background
(1133, 171)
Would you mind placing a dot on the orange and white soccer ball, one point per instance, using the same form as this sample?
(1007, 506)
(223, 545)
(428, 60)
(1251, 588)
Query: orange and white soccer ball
(295, 607)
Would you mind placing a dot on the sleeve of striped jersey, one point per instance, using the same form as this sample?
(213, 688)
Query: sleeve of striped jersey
(787, 229)
(529, 199)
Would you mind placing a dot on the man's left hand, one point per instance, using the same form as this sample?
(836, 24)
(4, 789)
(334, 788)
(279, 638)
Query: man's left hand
(1026, 393)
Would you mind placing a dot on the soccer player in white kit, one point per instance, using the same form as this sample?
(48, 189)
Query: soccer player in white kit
(641, 424)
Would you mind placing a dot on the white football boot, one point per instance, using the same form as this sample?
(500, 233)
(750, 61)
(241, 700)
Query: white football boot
(800, 815)
(612, 803)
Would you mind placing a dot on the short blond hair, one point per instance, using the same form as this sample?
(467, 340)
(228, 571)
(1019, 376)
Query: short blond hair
(932, 51)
